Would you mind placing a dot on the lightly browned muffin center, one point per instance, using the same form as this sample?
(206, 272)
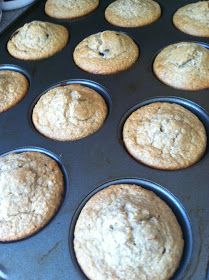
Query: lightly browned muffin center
(69, 112)
(106, 52)
(184, 65)
(132, 13)
(37, 40)
(127, 232)
(13, 87)
(31, 190)
(165, 136)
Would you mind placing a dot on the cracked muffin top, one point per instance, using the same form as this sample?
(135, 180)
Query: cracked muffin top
(165, 136)
(37, 40)
(31, 189)
(68, 9)
(183, 65)
(132, 13)
(13, 87)
(127, 232)
(106, 53)
(193, 19)
(69, 112)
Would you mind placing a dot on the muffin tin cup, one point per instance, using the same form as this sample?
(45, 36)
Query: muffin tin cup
(198, 42)
(65, 178)
(197, 110)
(87, 83)
(167, 197)
(101, 157)
(21, 70)
(15, 68)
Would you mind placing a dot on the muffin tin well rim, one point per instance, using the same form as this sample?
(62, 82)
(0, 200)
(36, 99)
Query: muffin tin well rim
(17, 68)
(169, 198)
(193, 107)
(66, 180)
(99, 88)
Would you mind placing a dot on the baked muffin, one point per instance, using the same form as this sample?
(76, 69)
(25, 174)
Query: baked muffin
(13, 87)
(132, 13)
(127, 232)
(31, 189)
(69, 112)
(106, 52)
(193, 19)
(68, 9)
(165, 136)
(37, 40)
(183, 65)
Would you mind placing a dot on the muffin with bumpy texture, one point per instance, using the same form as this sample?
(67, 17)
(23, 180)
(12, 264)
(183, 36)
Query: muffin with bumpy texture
(69, 112)
(37, 40)
(31, 190)
(183, 65)
(69, 9)
(132, 13)
(165, 136)
(127, 232)
(13, 87)
(106, 52)
(193, 19)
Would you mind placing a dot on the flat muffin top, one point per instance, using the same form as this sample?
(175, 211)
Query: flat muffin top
(106, 52)
(13, 87)
(183, 65)
(69, 112)
(31, 189)
(127, 232)
(68, 9)
(37, 40)
(132, 13)
(193, 19)
(165, 136)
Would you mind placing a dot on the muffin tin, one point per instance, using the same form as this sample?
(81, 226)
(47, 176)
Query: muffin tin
(99, 160)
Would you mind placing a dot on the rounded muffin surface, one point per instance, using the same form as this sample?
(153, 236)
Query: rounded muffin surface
(31, 190)
(13, 87)
(132, 13)
(183, 65)
(106, 52)
(193, 19)
(127, 232)
(165, 136)
(69, 9)
(37, 40)
(69, 112)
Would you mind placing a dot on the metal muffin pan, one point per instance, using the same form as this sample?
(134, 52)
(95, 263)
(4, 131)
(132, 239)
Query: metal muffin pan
(99, 159)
